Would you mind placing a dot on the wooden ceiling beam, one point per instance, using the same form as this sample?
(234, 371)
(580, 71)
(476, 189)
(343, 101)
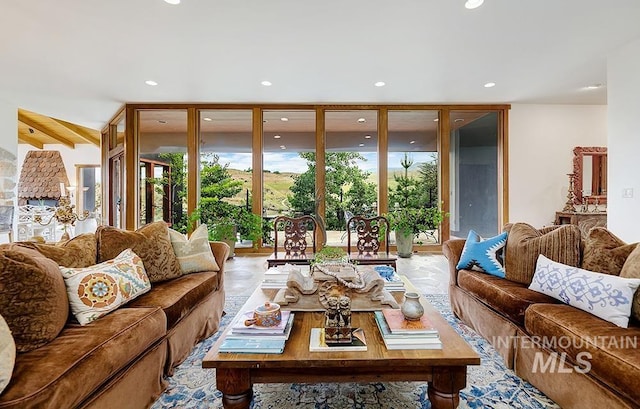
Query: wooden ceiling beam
(86, 134)
(26, 138)
(27, 120)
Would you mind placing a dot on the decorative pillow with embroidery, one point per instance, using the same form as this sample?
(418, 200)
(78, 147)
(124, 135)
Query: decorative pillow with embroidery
(485, 254)
(603, 295)
(194, 254)
(97, 290)
(151, 242)
(604, 252)
(7, 354)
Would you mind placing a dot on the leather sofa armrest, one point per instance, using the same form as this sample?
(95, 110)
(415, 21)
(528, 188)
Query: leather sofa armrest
(221, 252)
(452, 250)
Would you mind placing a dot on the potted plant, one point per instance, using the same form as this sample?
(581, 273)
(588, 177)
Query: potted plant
(409, 223)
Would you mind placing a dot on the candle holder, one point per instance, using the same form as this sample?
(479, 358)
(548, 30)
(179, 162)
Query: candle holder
(571, 196)
(64, 213)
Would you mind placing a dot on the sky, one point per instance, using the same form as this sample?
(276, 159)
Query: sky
(292, 162)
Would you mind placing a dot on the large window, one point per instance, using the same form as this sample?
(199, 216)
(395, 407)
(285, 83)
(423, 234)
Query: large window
(413, 168)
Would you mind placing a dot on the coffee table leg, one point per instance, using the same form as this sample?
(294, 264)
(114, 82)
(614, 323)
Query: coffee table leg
(444, 389)
(236, 387)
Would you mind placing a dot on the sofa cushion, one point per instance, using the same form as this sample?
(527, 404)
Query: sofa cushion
(485, 254)
(7, 354)
(150, 242)
(631, 269)
(80, 251)
(33, 298)
(612, 351)
(179, 296)
(603, 295)
(63, 373)
(97, 290)
(509, 298)
(604, 252)
(525, 243)
(194, 254)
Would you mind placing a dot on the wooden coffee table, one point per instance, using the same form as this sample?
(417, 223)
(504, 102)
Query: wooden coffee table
(445, 370)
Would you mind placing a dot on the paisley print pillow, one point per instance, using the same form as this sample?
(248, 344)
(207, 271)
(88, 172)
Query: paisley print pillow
(97, 290)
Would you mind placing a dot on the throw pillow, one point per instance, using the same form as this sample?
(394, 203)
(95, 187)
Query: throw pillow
(151, 242)
(526, 243)
(80, 251)
(194, 254)
(603, 295)
(486, 254)
(97, 290)
(33, 298)
(7, 354)
(631, 269)
(604, 252)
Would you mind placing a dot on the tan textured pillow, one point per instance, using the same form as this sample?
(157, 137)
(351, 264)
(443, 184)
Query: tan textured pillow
(7, 354)
(194, 254)
(525, 243)
(150, 242)
(33, 297)
(631, 269)
(80, 251)
(604, 252)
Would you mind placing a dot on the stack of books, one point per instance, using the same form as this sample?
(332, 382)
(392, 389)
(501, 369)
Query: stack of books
(392, 281)
(399, 333)
(317, 342)
(254, 339)
(276, 277)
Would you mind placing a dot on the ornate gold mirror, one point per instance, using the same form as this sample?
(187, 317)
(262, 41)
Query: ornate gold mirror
(590, 174)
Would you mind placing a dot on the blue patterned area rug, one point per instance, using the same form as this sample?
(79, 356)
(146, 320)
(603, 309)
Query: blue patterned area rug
(489, 385)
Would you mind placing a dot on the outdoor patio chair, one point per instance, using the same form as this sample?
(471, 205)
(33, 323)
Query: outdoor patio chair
(6, 221)
(366, 236)
(291, 234)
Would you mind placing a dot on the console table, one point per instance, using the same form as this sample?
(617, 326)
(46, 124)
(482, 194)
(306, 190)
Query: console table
(584, 220)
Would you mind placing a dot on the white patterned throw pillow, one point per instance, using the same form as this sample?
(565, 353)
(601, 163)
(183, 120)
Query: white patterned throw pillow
(603, 295)
(97, 290)
(194, 254)
(7, 354)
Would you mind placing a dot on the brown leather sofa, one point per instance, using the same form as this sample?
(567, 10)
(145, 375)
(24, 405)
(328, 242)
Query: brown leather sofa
(575, 358)
(121, 360)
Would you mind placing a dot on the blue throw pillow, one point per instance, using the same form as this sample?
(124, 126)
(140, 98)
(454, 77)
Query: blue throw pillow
(486, 254)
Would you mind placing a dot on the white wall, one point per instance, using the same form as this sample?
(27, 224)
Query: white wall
(623, 94)
(541, 142)
(8, 142)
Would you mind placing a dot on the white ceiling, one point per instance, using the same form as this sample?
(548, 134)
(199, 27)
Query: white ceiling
(80, 60)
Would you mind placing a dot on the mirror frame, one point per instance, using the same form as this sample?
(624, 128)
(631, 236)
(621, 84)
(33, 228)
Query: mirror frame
(578, 154)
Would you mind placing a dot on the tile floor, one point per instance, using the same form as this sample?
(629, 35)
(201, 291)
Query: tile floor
(429, 272)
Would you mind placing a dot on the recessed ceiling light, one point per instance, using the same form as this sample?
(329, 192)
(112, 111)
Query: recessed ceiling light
(266, 83)
(458, 120)
(380, 84)
(412, 142)
(490, 84)
(207, 119)
(284, 119)
(361, 144)
(594, 86)
(160, 121)
(472, 4)
(283, 147)
(361, 120)
(436, 120)
(151, 82)
(174, 2)
(277, 136)
(367, 137)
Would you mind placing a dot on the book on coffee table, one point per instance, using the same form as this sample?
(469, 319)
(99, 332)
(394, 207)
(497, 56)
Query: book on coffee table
(399, 325)
(238, 326)
(407, 340)
(252, 345)
(252, 332)
(318, 344)
(408, 337)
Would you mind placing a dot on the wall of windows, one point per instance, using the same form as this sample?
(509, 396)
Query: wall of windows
(329, 161)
